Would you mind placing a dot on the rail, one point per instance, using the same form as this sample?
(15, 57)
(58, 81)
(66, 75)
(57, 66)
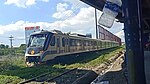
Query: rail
(48, 80)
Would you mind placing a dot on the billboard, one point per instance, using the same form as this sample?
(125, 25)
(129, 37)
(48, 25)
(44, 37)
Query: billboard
(29, 31)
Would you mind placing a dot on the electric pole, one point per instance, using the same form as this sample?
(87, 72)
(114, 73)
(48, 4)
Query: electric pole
(11, 39)
(96, 23)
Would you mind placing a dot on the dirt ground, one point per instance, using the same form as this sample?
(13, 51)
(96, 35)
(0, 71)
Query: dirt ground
(114, 75)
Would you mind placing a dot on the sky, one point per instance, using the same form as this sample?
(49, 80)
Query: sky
(64, 15)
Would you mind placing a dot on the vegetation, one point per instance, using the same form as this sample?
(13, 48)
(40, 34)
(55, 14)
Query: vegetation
(5, 50)
(4, 46)
(94, 59)
(13, 69)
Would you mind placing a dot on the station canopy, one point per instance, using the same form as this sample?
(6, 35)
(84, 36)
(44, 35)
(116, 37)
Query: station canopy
(99, 4)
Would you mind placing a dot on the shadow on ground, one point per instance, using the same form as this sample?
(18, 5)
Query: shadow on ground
(114, 76)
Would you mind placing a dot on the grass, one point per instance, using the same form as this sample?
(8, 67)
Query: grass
(94, 59)
(9, 79)
(13, 69)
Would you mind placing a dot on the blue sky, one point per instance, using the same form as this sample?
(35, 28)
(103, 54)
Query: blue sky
(41, 11)
(64, 15)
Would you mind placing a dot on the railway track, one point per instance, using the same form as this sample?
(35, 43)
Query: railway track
(114, 74)
(67, 77)
(45, 78)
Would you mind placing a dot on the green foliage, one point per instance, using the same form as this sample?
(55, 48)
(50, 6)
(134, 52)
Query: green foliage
(13, 69)
(4, 50)
(22, 46)
(19, 74)
(94, 59)
(4, 79)
(4, 46)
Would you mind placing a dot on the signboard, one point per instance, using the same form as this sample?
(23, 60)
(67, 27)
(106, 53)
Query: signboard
(104, 34)
(29, 31)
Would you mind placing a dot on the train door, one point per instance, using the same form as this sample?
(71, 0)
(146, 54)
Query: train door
(58, 44)
(68, 44)
(67, 48)
(83, 45)
(65, 44)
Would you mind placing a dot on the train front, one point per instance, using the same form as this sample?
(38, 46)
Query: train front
(37, 45)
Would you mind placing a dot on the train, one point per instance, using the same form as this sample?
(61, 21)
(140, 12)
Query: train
(46, 45)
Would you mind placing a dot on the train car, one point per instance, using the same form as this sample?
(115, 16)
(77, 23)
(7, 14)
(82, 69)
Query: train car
(46, 45)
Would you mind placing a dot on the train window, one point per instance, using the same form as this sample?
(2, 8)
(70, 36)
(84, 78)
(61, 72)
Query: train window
(63, 42)
(75, 42)
(84, 43)
(72, 42)
(67, 41)
(89, 43)
(53, 41)
(103, 45)
(80, 42)
(58, 42)
(37, 40)
(95, 43)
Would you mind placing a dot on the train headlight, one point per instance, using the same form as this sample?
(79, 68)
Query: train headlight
(41, 51)
(32, 52)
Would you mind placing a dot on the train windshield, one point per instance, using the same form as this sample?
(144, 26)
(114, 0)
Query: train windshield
(37, 40)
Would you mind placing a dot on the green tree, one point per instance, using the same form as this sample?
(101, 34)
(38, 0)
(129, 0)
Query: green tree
(2, 46)
(22, 46)
(6, 46)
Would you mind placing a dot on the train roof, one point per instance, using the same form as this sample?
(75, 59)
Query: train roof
(41, 32)
(71, 35)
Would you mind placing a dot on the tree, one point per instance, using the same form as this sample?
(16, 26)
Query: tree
(6, 46)
(22, 46)
(2, 46)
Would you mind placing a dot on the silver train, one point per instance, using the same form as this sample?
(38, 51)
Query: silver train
(46, 45)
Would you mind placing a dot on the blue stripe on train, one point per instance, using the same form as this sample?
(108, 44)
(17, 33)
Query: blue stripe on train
(48, 52)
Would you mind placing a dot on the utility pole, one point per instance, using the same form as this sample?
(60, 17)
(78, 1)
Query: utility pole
(11, 38)
(96, 23)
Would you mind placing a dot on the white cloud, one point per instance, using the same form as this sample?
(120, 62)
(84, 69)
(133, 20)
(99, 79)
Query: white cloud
(11, 27)
(76, 4)
(62, 11)
(83, 22)
(62, 7)
(45, 0)
(121, 35)
(117, 30)
(23, 3)
(30, 2)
